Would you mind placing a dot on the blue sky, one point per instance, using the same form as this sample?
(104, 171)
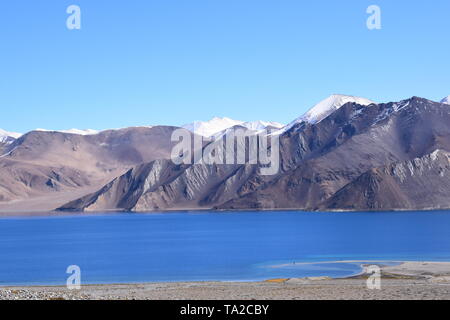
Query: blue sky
(174, 61)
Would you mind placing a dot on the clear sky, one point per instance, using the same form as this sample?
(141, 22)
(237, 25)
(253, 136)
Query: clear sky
(146, 62)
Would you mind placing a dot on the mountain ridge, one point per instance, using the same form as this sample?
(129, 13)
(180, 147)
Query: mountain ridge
(317, 161)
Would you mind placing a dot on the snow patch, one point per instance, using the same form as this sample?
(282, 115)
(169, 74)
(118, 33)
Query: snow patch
(325, 108)
(8, 137)
(434, 154)
(83, 132)
(211, 127)
(446, 100)
(261, 125)
(219, 126)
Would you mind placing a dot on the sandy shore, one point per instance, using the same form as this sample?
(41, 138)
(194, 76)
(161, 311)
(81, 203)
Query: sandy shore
(408, 280)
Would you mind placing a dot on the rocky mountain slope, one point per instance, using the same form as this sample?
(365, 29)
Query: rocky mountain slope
(422, 183)
(46, 163)
(358, 155)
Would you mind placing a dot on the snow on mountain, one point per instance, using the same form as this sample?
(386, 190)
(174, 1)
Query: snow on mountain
(446, 100)
(83, 132)
(256, 127)
(326, 107)
(8, 137)
(261, 125)
(211, 127)
(217, 126)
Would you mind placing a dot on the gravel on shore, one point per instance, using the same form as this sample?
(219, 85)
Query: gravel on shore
(409, 280)
(345, 289)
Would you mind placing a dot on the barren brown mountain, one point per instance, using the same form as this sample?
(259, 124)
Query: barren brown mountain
(42, 170)
(360, 157)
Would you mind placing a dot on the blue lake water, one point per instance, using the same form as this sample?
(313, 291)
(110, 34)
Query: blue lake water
(118, 248)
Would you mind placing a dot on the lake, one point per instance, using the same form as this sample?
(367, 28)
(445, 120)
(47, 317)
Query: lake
(244, 246)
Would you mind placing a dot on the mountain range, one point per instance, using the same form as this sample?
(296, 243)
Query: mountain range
(345, 153)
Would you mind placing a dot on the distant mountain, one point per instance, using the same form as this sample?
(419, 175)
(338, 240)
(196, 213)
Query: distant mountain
(211, 127)
(43, 168)
(446, 100)
(346, 153)
(218, 126)
(7, 137)
(261, 125)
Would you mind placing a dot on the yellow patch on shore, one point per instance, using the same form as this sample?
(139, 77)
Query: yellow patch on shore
(277, 280)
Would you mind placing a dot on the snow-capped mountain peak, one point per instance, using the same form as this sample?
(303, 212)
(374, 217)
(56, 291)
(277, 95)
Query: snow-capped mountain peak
(211, 127)
(217, 126)
(446, 100)
(261, 125)
(7, 137)
(326, 107)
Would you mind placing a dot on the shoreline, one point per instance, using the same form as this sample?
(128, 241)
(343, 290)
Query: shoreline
(407, 280)
(70, 213)
(361, 263)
